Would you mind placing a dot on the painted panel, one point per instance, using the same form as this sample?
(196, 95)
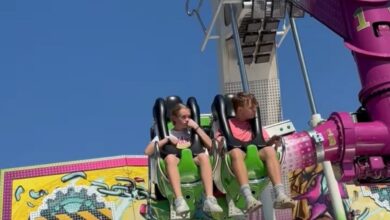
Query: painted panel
(112, 188)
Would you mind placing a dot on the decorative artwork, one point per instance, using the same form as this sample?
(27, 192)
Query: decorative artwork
(309, 187)
(115, 188)
(109, 188)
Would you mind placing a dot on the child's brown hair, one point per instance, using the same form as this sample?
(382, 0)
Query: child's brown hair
(243, 99)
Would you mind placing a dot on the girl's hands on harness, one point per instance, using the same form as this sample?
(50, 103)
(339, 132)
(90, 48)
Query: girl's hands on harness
(163, 142)
(173, 139)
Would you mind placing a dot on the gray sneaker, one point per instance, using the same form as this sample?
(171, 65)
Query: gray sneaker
(284, 202)
(211, 205)
(252, 204)
(181, 207)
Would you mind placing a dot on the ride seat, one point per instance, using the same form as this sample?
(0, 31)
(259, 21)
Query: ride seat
(189, 171)
(222, 111)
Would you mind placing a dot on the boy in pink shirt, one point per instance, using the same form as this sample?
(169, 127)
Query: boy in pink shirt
(245, 107)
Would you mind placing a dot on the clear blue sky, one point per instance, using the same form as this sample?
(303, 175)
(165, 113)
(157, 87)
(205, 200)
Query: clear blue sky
(78, 79)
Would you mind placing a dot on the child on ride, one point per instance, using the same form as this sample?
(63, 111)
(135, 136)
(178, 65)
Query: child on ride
(245, 106)
(180, 138)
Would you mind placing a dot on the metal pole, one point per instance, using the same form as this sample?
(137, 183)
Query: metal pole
(334, 192)
(333, 186)
(149, 208)
(210, 29)
(303, 66)
(240, 58)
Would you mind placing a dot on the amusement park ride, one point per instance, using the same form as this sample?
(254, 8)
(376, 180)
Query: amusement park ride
(356, 146)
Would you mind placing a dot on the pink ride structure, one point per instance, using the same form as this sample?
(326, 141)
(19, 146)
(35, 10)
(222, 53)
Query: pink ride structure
(359, 144)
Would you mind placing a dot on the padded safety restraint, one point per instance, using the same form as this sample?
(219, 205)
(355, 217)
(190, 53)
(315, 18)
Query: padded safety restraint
(162, 110)
(161, 113)
(222, 110)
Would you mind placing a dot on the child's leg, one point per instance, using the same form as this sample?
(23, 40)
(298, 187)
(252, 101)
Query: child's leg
(239, 169)
(282, 201)
(238, 165)
(210, 203)
(268, 155)
(202, 160)
(173, 174)
(180, 204)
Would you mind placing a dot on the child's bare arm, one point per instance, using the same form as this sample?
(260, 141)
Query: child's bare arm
(203, 136)
(173, 139)
(149, 150)
(218, 137)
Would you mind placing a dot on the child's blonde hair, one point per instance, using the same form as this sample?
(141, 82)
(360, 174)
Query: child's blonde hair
(176, 109)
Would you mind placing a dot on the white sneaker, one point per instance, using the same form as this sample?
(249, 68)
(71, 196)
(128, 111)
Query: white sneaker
(284, 202)
(181, 207)
(211, 205)
(252, 204)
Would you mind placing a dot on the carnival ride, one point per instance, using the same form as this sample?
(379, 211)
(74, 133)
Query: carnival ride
(357, 144)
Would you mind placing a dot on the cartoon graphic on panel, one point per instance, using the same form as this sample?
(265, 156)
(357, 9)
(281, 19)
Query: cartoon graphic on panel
(110, 188)
(309, 187)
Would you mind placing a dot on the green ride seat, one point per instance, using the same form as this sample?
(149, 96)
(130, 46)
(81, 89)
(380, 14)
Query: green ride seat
(189, 171)
(257, 176)
(222, 111)
(190, 179)
(255, 167)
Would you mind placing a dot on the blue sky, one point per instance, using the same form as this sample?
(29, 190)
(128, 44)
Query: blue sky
(78, 79)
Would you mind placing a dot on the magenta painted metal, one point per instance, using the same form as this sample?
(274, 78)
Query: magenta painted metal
(345, 141)
(299, 152)
(328, 12)
(361, 149)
